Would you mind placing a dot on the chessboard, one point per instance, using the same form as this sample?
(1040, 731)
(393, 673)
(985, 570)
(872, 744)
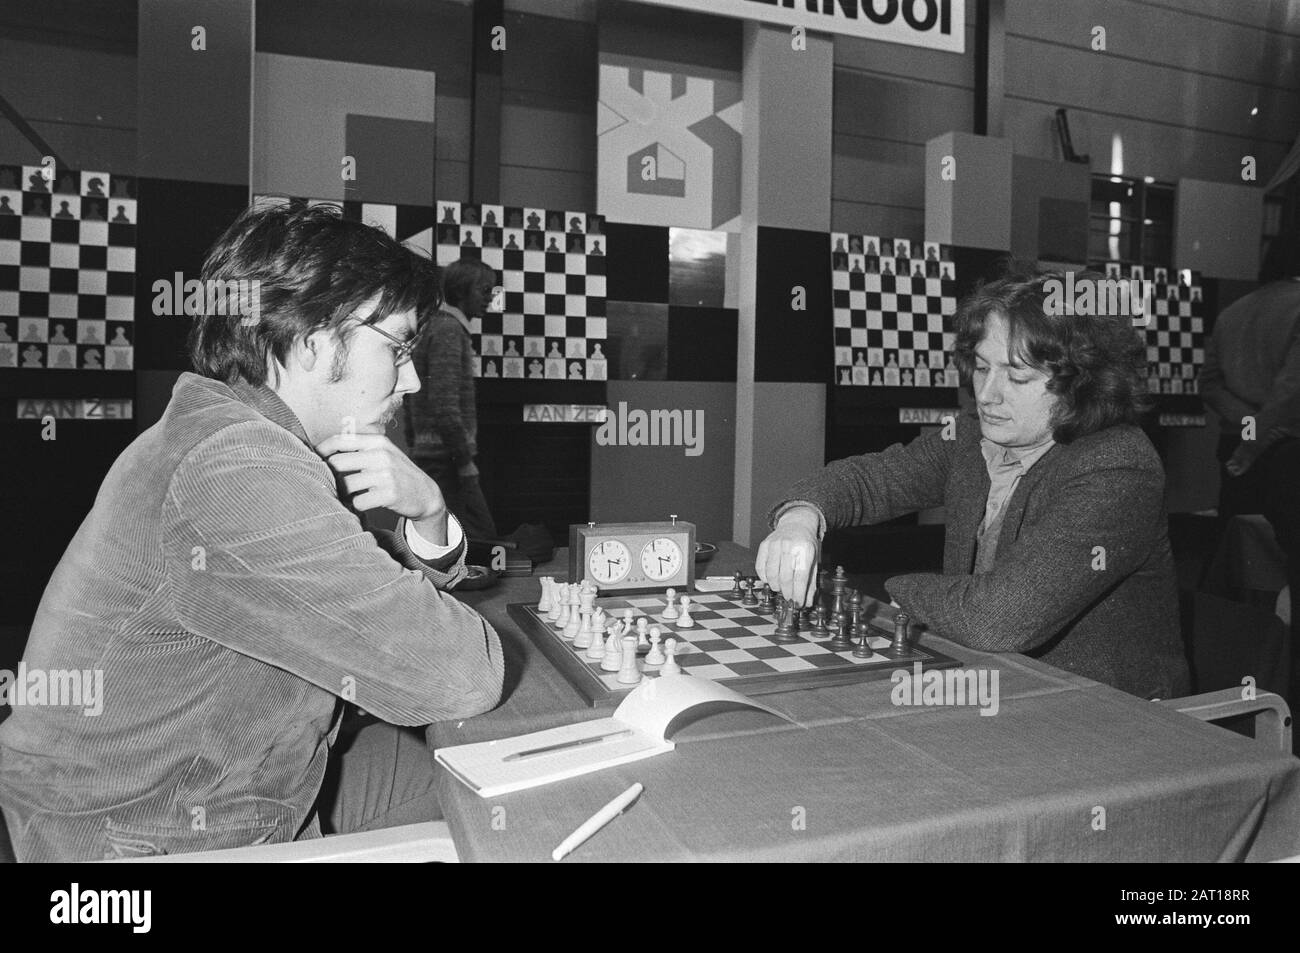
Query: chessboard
(890, 311)
(730, 643)
(1175, 333)
(67, 269)
(548, 321)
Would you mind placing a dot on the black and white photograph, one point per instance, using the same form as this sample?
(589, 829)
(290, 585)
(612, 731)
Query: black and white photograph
(652, 431)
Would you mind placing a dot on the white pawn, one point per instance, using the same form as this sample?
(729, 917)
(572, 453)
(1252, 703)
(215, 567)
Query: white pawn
(628, 673)
(670, 666)
(613, 659)
(642, 631)
(656, 655)
(627, 619)
(685, 622)
(670, 610)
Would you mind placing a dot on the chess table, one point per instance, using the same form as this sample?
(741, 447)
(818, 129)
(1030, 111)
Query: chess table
(856, 777)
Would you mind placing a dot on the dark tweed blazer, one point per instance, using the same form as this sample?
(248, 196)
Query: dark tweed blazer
(1083, 577)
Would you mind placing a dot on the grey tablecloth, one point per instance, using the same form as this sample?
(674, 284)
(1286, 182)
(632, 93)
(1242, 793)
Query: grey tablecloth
(1066, 770)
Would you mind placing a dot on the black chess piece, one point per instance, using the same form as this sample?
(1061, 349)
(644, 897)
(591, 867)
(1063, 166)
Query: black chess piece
(863, 647)
(749, 599)
(818, 628)
(7, 179)
(447, 217)
(4, 206)
(595, 249)
(839, 582)
(490, 220)
(736, 591)
(95, 187)
(785, 626)
(843, 638)
(64, 211)
(898, 648)
(36, 182)
(66, 185)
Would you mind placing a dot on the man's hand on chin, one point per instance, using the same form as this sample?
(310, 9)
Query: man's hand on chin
(376, 473)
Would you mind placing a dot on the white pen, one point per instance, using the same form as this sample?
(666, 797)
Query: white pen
(598, 820)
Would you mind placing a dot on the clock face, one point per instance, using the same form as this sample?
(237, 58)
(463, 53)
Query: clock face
(609, 562)
(661, 559)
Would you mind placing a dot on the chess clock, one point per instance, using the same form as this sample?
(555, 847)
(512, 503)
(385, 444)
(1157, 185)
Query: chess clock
(633, 557)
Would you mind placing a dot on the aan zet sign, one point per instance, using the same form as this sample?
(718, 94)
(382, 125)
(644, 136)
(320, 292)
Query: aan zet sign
(564, 413)
(90, 408)
(936, 24)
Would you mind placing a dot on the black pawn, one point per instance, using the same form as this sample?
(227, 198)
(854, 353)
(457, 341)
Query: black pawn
(749, 598)
(898, 648)
(736, 592)
(818, 628)
(843, 627)
(861, 646)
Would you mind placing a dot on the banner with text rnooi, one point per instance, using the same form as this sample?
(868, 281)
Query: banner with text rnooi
(936, 24)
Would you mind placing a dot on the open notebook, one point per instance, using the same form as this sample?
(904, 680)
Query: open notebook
(639, 728)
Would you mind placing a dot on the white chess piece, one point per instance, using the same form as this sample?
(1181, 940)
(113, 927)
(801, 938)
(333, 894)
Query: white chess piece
(596, 651)
(588, 630)
(562, 617)
(556, 600)
(613, 660)
(685, 621)
(670, 666)
(627, 619)
(642, 631)
(628, 673)
(656, 655)
(670, 610)
(545, 604)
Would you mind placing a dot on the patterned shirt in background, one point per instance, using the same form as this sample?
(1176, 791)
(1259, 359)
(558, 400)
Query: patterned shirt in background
(1006, 466)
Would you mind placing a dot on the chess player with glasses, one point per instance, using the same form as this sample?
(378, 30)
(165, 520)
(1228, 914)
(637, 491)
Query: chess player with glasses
(1056, 540)
(225, 585)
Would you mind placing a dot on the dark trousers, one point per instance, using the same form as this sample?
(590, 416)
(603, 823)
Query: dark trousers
(1271, 487)
(379, 776)
(464, 498)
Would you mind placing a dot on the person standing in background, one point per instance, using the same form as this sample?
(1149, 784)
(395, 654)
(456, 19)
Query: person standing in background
(1251, 379)
(441, 419)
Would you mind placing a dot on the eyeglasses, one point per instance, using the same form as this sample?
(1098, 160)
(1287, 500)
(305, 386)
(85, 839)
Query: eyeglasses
(402, 355)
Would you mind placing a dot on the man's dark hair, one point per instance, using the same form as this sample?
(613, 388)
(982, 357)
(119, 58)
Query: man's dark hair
(1096, 363)
(315, 270)
(460, 277)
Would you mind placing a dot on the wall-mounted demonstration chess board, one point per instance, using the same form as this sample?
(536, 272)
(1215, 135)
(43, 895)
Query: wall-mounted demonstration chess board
(730, 643)
(1175, 334)
(67, 269)
(550, 322)
(890, 311)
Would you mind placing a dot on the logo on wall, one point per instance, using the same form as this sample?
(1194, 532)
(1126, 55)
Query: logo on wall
(669, 145)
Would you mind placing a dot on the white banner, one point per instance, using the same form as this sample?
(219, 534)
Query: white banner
(936, 24)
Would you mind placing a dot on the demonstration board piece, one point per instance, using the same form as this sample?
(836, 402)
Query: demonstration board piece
(67, 269)
(1175, 331)
(731, 643)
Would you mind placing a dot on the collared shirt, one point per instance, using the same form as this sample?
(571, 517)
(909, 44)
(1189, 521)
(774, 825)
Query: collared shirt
(1006, 466)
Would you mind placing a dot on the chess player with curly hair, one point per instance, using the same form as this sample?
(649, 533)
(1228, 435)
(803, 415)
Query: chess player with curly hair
(1056, 542)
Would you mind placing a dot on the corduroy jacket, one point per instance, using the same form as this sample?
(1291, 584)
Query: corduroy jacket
(230, 600)
(1083, 576)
